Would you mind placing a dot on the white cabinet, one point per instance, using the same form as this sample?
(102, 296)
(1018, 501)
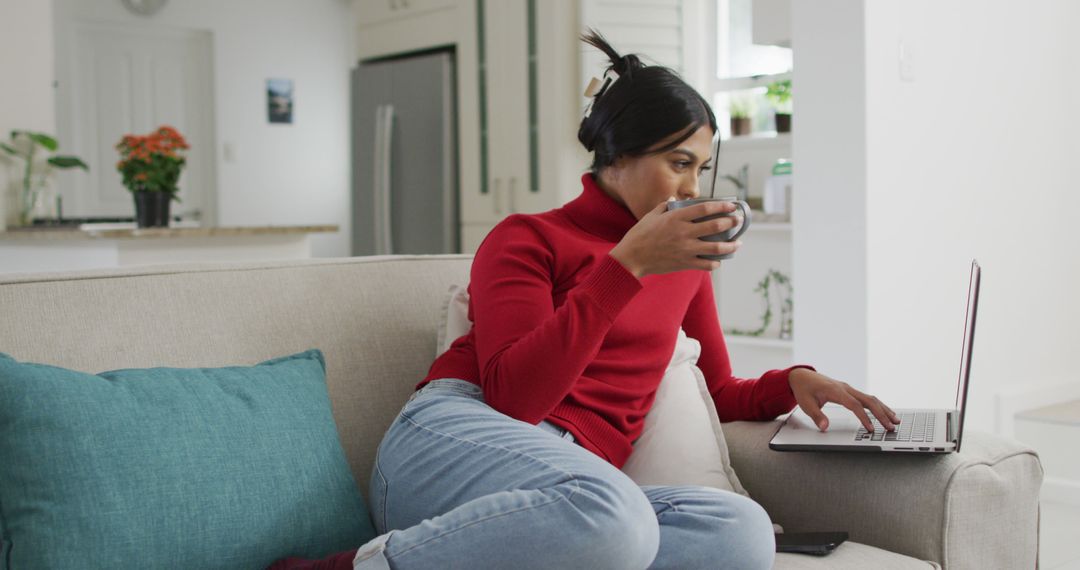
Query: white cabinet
(374, 12)
(503, 84)
(772, 22)
(508, 84)
(393, 27)
(472, 235)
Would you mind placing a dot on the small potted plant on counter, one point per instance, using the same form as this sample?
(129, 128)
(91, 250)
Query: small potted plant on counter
(151, 166)
(38, 170)
(741, 108)
(779, 94)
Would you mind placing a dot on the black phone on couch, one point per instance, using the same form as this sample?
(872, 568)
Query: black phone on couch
(818, 543)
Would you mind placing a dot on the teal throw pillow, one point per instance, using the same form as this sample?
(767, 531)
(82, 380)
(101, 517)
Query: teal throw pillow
(173, 468)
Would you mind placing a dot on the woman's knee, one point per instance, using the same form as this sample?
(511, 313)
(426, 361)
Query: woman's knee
(751, 529)
(620, 529)
(707, 527)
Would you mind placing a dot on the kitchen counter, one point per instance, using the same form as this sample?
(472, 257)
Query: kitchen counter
(93, 246)
(128, 231)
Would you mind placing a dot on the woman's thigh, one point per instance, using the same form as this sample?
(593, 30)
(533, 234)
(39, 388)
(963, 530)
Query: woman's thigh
(448, 447)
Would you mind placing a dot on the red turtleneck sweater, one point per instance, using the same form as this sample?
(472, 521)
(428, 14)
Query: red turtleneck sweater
(563, 332)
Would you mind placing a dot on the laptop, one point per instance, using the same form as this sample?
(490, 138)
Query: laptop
(919, 431)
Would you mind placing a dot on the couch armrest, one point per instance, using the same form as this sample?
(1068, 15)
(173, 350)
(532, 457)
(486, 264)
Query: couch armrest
(974, 509)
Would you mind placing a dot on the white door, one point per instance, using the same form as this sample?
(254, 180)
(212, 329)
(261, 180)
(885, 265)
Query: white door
(115, 80)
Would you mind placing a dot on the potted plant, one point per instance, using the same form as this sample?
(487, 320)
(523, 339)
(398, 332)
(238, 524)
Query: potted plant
(38, 170)
(741, 180)
(779, 94)
(151, 166)
(740, 109)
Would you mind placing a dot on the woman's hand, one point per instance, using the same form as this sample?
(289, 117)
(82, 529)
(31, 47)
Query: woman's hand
(663, 241)
(812, 390)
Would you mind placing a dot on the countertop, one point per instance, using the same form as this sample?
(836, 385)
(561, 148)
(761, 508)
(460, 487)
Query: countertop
(128, 231)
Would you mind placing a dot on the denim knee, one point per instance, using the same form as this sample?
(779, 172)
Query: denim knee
(754, 532)
(619, 526)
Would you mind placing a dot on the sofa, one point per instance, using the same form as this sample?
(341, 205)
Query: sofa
(375, 319)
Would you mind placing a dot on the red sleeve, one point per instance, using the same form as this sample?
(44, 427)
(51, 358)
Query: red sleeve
(735, 398)
(530, 353)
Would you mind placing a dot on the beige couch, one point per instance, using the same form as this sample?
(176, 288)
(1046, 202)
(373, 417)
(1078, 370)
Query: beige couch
(375, 320)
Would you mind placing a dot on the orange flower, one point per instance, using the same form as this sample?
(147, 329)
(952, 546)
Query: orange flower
(153, 159)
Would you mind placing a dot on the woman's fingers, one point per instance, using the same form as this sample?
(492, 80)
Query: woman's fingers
(710, 227)
(716, 247)
(887, 417)
(810, 406)
(849, 402)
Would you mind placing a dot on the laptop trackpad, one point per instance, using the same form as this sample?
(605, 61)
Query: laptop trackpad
(841, 419)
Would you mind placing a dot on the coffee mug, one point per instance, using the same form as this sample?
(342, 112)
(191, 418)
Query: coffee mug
(729, 235)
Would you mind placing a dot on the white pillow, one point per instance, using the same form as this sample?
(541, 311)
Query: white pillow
(682, 443)
(455, 318)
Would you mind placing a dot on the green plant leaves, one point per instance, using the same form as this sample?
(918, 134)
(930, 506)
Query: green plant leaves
(763, 286)
(779, 93)
(40, 138)
(45, 141)
(68, 162)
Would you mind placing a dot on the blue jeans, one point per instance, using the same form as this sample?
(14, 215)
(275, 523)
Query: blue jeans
(457, 484)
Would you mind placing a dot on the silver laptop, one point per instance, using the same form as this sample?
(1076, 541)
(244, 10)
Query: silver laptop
(919, 431)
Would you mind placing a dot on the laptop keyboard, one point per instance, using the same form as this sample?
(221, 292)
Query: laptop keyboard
(914, 426)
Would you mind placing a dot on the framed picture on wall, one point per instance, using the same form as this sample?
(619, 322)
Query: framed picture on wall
(279, 100)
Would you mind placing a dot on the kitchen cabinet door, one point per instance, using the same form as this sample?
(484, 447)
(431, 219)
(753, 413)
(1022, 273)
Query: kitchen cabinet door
(506, 145)
(375, 12)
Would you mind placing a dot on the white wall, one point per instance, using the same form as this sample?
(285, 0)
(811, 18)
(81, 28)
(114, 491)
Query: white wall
(26, 74)
(968, 156)
(829, 196)
(971, 158)
(282, 174)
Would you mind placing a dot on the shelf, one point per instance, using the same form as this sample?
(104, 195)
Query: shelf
(743, 83)
(758, 342)
(763, 139)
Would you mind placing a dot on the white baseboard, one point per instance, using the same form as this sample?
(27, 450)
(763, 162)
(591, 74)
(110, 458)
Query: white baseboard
(1062, 491)
(1011, 402)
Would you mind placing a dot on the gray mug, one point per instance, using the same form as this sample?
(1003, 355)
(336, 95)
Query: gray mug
(729, 235)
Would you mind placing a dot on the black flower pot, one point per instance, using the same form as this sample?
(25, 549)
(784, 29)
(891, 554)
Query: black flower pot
(740, 126)
(152, 209)
(783, 122)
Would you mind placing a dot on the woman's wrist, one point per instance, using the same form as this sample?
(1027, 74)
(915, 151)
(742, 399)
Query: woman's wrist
(796, 375)
(625, 260)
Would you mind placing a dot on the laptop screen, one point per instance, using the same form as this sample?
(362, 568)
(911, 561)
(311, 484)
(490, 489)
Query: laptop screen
(969, 341)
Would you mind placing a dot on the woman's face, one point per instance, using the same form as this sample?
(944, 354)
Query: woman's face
(642, 182)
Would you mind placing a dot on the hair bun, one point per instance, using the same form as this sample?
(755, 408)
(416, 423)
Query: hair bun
(627, 63)
(633, 113)
(620, 64)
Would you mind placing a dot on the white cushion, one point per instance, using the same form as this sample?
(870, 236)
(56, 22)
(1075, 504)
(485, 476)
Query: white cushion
(455, 321)
(682, 443)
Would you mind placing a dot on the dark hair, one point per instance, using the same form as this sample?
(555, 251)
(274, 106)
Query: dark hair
(644, 106)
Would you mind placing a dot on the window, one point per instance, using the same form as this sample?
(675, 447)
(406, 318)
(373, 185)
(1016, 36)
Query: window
(743, 69)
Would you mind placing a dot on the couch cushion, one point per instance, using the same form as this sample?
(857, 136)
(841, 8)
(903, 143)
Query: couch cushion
(373, 318)
(682, 442)
(151, 468)
(852, 555)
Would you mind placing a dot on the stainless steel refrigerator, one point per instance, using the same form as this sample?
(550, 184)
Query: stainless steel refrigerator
(404, 141)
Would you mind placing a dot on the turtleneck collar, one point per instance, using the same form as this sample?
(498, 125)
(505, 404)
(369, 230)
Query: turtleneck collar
(599, 214)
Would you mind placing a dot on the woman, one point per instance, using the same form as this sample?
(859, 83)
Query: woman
(508, 455)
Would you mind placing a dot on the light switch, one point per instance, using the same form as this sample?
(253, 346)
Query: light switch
(906, 61)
